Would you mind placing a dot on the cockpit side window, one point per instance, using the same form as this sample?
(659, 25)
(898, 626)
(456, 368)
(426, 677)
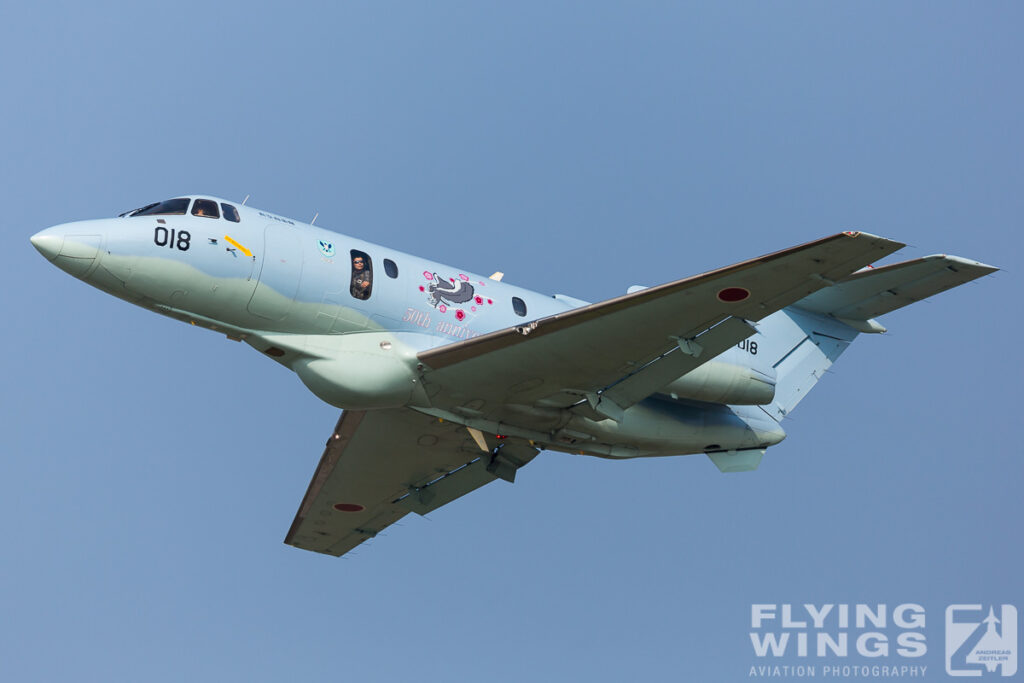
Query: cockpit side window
(205, 207)
(166, 208)
(230, 213)
(362, 275)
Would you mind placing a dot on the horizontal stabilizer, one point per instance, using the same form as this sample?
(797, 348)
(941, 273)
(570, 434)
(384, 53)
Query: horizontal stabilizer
(804, 340)
(877, 291)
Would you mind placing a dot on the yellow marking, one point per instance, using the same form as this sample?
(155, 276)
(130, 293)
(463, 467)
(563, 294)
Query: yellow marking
(239, 246)
(478, 437)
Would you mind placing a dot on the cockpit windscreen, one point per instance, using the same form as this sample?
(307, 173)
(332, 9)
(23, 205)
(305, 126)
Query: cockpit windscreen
(169, 207)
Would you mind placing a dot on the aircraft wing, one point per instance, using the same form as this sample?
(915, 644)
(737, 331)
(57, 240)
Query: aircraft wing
(379, 465)
(619, 351)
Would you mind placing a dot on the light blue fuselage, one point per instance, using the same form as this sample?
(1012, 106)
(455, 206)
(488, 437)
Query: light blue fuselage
(286, 288)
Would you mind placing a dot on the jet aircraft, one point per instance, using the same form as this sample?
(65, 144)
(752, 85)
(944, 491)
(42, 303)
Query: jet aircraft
(449, 379)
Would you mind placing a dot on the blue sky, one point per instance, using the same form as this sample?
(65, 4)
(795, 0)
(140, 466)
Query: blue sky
(150, 470)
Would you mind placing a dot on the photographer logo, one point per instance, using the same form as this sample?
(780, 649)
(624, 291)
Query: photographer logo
(981, 641)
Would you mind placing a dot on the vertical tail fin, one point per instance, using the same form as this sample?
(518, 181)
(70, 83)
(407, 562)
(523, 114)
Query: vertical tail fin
(800, 346)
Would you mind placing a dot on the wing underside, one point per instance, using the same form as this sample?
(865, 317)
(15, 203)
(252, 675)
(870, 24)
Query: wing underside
(380, 465)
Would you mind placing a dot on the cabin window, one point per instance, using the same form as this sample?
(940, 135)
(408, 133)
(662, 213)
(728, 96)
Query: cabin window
(230, 213)
(390, 268)
(166, 208)
(206, 208)
(362, 275)
(519, 306)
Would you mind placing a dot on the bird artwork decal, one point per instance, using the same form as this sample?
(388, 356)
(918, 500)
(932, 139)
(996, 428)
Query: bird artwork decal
(449, 292)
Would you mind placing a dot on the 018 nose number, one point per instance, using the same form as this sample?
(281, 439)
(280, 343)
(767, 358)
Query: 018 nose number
(163, 237)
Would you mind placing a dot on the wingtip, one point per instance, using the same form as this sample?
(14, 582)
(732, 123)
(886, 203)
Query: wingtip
(888, 245)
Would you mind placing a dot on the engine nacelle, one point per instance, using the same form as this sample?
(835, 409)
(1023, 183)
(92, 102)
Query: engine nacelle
(718, 382)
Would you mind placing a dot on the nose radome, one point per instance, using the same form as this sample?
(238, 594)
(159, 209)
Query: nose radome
(48, 243)
(72, 247)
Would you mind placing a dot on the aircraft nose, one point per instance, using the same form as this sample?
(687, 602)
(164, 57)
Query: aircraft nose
(73, 247)
(48, 243)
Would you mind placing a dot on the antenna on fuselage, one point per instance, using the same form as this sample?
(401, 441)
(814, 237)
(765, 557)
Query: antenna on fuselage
(245, 200)
(314, 218)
